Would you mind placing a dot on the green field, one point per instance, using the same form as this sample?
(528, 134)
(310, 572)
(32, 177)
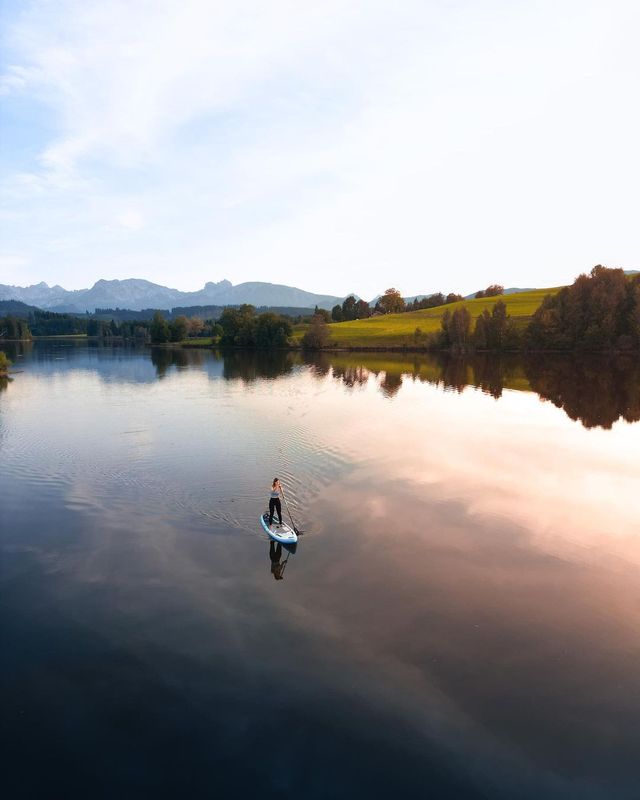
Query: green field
(398, 330)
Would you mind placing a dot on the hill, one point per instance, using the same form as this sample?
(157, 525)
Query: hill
(15, 308)
(398, 330)
(23, 311)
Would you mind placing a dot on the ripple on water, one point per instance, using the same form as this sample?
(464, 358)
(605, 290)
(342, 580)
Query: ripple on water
(227, 484)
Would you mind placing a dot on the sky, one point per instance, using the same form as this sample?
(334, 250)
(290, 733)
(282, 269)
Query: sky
(337, 146)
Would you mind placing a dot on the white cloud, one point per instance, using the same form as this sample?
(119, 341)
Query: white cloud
(131, 219)
(448, 145)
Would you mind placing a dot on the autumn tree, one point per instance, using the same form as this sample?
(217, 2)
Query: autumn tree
(196, 326)
(391, 302)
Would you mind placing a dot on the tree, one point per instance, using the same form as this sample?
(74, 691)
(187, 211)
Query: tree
(237, 324)
(336, 314)
(179, 328)
(271, 330)
(196, 326)
(318, 334)
(452, 297)
(349, 308)
(391, 302)
(495, 330)
(599, 311)
(326, 316)
(4, 363)
(14, 328)
(362, 309)
(456, 328)
(494, 290)
(480, 294)
(160, 332)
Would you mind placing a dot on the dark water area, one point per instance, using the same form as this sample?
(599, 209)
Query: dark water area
(460, 618)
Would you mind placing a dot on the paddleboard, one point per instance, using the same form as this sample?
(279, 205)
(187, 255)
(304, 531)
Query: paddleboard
(281, 533)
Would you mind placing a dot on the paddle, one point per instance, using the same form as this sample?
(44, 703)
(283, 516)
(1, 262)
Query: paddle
(297, 531)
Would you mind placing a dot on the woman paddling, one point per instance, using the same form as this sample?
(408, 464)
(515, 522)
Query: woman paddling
(274, 501)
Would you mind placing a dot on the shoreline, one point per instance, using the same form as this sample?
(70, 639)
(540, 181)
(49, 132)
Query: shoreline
(207, 345)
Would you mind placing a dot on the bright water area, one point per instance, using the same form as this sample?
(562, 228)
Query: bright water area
(461, 618)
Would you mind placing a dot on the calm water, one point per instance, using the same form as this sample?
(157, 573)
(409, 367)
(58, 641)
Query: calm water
(461, 618)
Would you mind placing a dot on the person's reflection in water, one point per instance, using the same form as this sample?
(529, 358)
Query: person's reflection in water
(277, 566)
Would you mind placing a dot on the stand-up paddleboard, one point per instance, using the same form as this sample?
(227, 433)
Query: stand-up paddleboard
(280, 532)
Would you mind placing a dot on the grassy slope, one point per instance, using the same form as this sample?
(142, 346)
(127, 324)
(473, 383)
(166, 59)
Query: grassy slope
(396, 330)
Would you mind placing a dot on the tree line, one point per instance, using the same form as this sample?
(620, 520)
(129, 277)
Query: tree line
(51, 323)
(599, 311)
(391, 302)
(493, 330)
(162, 331)
(244, 327)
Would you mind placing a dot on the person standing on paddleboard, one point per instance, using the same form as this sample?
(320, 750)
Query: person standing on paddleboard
(274, 501)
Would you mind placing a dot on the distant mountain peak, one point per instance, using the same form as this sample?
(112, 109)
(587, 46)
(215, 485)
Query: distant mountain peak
(136, 294)
(223, 284)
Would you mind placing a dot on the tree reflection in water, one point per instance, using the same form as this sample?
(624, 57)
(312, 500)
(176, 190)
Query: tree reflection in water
(595, 390)
(163, 358)
(250, 366)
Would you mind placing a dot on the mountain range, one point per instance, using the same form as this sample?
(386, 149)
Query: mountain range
(136, 294)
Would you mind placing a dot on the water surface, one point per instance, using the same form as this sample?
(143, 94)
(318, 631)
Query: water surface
(461, 617)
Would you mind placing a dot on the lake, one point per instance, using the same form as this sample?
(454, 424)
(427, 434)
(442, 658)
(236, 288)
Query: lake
(460, 619)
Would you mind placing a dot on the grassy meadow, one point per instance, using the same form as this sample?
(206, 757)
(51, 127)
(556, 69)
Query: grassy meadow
(399, 330)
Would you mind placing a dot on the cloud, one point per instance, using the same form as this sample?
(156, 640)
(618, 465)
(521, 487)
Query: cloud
(325, 145)
(131, 219)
